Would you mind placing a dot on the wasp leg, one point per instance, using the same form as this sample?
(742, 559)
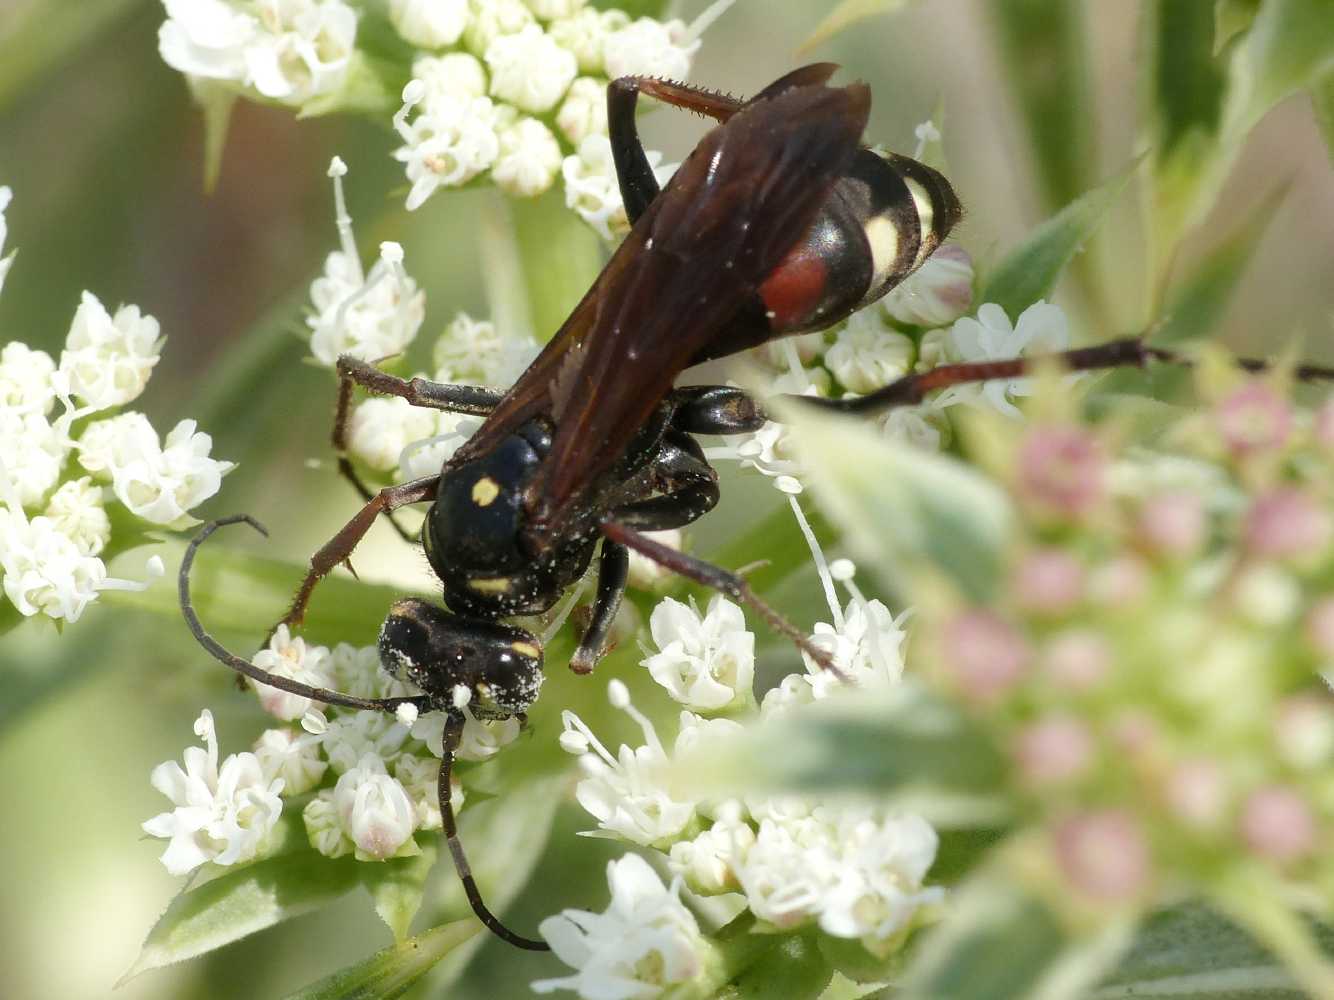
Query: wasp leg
(613, 569)
(339, 548)
(715, 409)
(638, 184)
(721, 580)
(1129, 351)
(417, 391)
(230, 659)
(450, 743)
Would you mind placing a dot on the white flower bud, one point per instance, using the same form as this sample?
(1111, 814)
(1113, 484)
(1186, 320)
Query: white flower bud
(529, 159)
(529, 70)
(938, 292)
(292, 756)
(108, 360)
(550, 9)
(584, 110)
(429, 24)
(289, 656)
(493, 18)
(650, 48)
(454, 76)
(375, 811)
(25, 378)
(32, 452)
(585, 35)
(76, 510)
(381, 427)
(324, 830)
(867, 355)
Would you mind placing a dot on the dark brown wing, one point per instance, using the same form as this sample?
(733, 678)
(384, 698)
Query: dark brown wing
(694, 259)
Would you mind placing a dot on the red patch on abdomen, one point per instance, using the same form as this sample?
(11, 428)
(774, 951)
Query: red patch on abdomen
(795, 289)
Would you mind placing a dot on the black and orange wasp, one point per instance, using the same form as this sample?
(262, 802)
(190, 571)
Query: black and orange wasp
(779, 222)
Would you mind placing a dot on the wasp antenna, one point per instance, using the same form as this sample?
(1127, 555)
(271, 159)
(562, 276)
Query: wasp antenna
(225, 656)
(450, 741)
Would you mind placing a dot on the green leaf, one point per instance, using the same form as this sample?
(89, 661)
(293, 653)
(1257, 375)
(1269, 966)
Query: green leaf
(241, 902)
(397, 886)
(1232, 18)
(1043, 50)
(1198, 304)
(1290, 46)
(389, 973)
(910, 745)
(1000, 942)
(903, 510)
(243, 592)
(1030, 271)
(1192, 952)
(1322, 99)
(559, 255)
(792, 970)
(845, 15)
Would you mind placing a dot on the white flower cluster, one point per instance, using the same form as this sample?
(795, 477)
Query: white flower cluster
(377, 316)
(853, 870)
(374, 775)
(59, 470)
(517, 91)
(289, 51)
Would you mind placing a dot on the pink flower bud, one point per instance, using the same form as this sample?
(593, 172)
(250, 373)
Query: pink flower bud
(985, 655)
(1196, 791)
(1320, 626)
(1172, 524)
(1077, 660)
(1104, 855)
(1253, 418)
(1277, 823)
(1136, 732)
(1286, 522)
(1053, 750)
(1119, 583)
(1062, 470)
(1048, 581)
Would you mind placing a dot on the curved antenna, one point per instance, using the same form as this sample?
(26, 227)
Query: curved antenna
(225, 656)
(449, 741)
(448, 744)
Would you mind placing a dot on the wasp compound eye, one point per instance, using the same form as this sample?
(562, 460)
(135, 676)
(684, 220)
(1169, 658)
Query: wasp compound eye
(499, 665)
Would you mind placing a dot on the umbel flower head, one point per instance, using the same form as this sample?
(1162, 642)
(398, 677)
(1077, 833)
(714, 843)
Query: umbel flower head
(68, 453)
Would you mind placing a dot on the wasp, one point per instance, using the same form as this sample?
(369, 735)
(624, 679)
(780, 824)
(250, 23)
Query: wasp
(779, 222)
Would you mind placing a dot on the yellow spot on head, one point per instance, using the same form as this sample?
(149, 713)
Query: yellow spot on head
(484, 491)
(491, 585)
(526, 649)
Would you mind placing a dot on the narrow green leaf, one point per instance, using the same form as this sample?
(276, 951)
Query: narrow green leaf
(389, 973)
(1232, 18)
(1290, 46)
(1185, 84)
(845, 15)
(1030, 271)
(1190, 951)
(560, 258)
(1000, 942)
(903, 510)
(241, 902)
(1199, 303)
(1043, 51)
(910, 745)
(397, 886)
(1322, 99)
(243, 592)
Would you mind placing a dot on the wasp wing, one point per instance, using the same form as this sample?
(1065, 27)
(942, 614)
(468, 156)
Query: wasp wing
(691, 264)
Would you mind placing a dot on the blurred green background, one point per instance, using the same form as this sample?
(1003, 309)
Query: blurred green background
(103, 149)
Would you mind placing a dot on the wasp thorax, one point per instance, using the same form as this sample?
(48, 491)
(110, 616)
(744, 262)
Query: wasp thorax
(500, 666)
